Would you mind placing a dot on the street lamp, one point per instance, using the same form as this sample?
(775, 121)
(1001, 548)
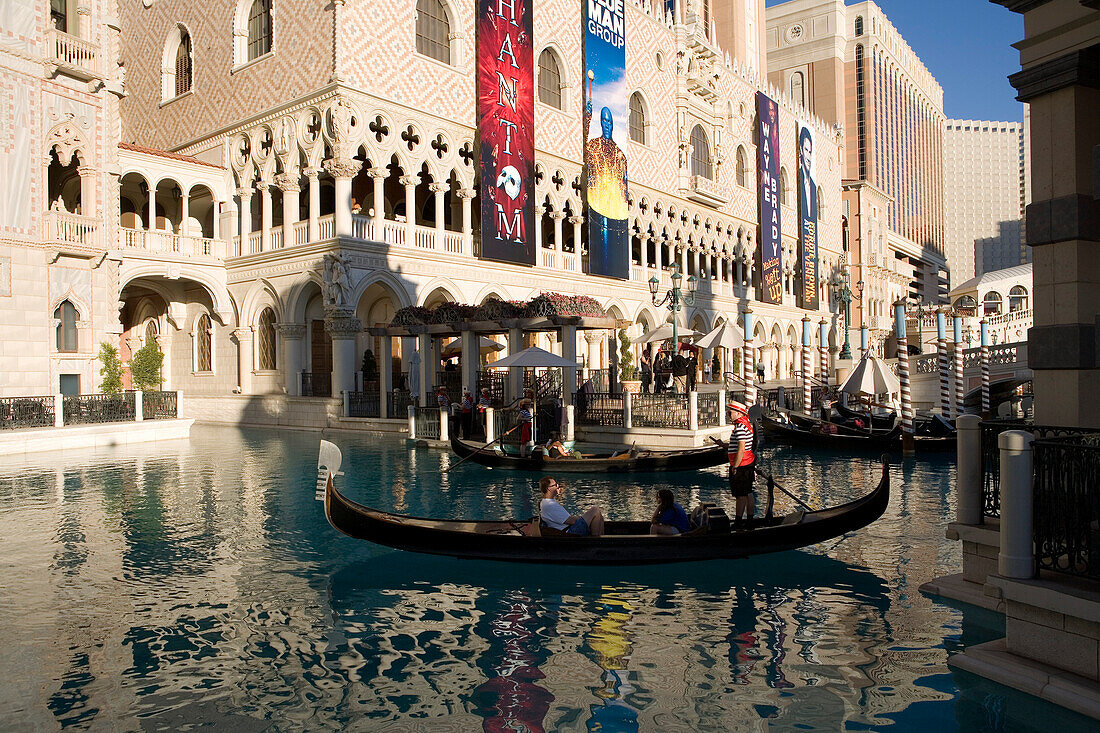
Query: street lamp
(675, 297)
(845, 295)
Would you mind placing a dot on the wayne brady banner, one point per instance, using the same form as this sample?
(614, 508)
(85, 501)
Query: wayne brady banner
(606, 115)
(771, 243)
(506, 128)
(807, 198)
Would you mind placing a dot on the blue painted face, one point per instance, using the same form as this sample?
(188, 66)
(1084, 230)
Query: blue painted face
(607, 124)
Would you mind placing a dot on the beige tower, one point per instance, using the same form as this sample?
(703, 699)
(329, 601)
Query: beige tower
(739, 29)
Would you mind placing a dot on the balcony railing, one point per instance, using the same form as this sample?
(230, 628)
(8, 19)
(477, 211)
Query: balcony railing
(167, 242)
(62, 227)
(26, 412)
(991, 456)
(73, 55)
(1067, 505)
(99, 408)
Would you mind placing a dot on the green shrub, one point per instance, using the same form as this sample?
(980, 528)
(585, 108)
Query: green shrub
(627, 370)
(145, 367)
(111, 371)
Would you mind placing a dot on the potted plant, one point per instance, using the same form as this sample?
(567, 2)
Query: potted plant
(628, 373)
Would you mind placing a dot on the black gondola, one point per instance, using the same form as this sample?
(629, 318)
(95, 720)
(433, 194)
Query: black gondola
(623, 543)
(798, 431)
(629, 461)
(879, 422)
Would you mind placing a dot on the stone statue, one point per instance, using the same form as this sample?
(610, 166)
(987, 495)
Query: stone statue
(337, 284)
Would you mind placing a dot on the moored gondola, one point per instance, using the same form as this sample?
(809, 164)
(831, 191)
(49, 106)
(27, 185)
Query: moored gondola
(624, 543)
(631, 460)
(801, 433)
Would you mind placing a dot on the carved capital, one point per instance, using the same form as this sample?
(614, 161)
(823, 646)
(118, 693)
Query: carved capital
(244, 193)
(409, 180)
(87, 170)
(292, 330)
(377, 172)
(557, 215)
(578, 219)
(466, 193)
(242, 334)
(342, 167)
(287, 183)
(342, 327)
(438, 187)
(311, 174)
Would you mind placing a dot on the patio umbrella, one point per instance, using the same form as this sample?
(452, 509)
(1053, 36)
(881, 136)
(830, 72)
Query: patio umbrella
(728, 336)
(664, 333)
(871, 376)
(485, 344)
(533, 357)
(414, 373)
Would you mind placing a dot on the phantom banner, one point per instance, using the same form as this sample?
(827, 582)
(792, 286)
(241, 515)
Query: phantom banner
(506, 129)
(606, 116)
(771, 243)
(807, 197)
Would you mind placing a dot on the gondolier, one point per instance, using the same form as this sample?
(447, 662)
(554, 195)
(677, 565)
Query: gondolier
(526, 411)
(742, 458)
(467, 413)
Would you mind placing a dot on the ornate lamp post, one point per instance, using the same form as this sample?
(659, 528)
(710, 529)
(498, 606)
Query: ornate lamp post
(845, 296)
(675, 298)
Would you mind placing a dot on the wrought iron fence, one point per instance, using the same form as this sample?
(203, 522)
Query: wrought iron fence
(316, 384)
(427, 422)
(710, 409)
(452, 382)
(991, 456)
(598, 408)
(158, 405)
(364, 404)
(1067, 505)
(26, 412)
(600, 379)
(494, 380)
(398, 402)
(663, 410)
(87, 409)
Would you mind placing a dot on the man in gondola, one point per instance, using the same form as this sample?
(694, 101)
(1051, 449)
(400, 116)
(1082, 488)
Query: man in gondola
(742, 464)
(555, 516)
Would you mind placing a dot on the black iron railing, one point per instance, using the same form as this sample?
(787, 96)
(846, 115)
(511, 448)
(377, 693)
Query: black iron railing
(398, 402)
(452, 382)
(87, 409)
(364, 404)
(494, 380)
(598, 408)
(710, 409)
(427, 422)
(316, 384)
(665, 410)
(991, 456)
(26, 412)
(158, 405)
(1067, 505)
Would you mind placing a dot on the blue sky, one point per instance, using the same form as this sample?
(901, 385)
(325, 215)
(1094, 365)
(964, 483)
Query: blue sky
(966, 44)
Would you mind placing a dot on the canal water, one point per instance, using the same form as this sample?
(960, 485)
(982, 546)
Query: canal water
(197, 586)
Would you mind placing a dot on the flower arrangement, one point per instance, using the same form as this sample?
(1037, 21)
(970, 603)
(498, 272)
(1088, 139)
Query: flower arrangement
(546, 304)
(557, 304)
(413, 315)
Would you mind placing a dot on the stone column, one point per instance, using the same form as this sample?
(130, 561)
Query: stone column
(314, 230)
(244, 358)
(515, 374)
(593, 339)
(342, 327)
(185, 212)
(245, 228)
(643, 254)
(265, 215)
(342, 171)
(1017, 558)
(467, 196)
(439, 190)
(385, 375)
(968, 476)
(293, 335)
(569, 351)
(559, 235)
(410, 183)
(290, 187)
(87, 190)
(577, 221)
(427, 367)
(471, 360)
(378, 193)
(150, 204)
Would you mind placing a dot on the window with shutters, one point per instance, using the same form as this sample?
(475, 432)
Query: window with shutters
(183, 64)
(259, 29)
(203, 345)
(66, 316)
(700, 153)
(549, 79)
(433, 30)
(266, 339)
(637, 118)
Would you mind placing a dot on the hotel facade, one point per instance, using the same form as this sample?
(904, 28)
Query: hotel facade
(195, 174)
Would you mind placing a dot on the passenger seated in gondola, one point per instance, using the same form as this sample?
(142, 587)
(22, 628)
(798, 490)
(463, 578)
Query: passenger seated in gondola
(554, 516)
(554, 447)
(670, 518)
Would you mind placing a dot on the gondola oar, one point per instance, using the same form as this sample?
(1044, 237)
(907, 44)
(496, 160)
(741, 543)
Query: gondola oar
(496, 440)
(769, 477)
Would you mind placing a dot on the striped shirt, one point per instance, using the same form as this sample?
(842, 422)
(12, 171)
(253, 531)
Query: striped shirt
(467, 402)
(742, 433)
(525, 414)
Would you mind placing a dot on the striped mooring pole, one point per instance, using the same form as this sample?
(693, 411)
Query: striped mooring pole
(985, 368)
(824, 335)
(749, 362)
(863, 342)
(945, 371)
(807, 362)
(903, 370)
(960, 390)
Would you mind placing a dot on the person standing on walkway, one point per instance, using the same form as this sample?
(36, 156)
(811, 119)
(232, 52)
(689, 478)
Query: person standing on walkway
(647, 372)
(692, 371)
(760, 372)
(706, 372)
(742, 464)
(679, 372)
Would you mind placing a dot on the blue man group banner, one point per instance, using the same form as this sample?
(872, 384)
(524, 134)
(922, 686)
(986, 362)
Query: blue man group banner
(807, 198)
(606, 116)
(506, 129)
(771, 248)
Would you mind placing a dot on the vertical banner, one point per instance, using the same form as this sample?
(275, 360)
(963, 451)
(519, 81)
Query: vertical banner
(606, 116)
(807, 197)
(506, 128)
(771, 248)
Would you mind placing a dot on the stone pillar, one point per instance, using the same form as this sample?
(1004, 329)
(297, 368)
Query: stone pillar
(244, 358)
(138, 407)
(314, 204)
(410, 182)
(577, 221)
(342, 171)
(385, 375)
(151, 203)
(628, 410)
(515, 374)
(1017, 558)
(722, 408)
(412, 422)
(968, 476)
(471, 360)
(185, 212)
(88, 204)
(293, 334)
(342, 328)
(559, 235)
(265, 215)
(570, 422)
(467, 196)
(569, 351)
(288, 184)
(245, 228)
(378, 193)
(593, 339)
(427, 370)
(490, 425)
(693, 410)
(438, 190)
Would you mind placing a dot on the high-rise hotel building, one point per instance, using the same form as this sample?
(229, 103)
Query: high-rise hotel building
(850, 65)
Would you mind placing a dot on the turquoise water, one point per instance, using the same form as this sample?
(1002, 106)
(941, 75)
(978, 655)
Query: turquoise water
(197, 586)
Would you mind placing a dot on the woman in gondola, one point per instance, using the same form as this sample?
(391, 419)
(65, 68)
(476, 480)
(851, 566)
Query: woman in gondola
(670, 518)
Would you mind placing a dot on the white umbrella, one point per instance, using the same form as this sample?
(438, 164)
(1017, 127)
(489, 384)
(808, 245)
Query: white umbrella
(533, 357)
(871, 376)
(414, 373)
(728, 336)
(664, 333)
(485, 344)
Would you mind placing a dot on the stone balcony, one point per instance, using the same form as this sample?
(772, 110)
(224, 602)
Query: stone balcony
(73, 56)
(167, 245)
(706, 191)
(63, 228)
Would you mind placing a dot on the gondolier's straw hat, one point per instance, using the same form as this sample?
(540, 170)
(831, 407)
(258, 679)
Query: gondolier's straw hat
(739, 406)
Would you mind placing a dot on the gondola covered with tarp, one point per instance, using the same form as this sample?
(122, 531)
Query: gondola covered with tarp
(623, 543)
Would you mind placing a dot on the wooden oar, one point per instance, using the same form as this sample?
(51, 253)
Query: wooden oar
(482, 448)
(769, 477)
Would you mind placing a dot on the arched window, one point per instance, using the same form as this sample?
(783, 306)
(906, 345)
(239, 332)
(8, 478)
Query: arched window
(203, 345)
(820, 203)
(637, 118)
(784, 187)
(259, 29)
(859, 25)
(59, 15)
(549, 79)
(150, 333)
(742, 164)
(183, 64)
(991, 304)
(433, 30)
(798, 88)
(66, 326)
(1017, 298)
(700, 153)
(266, 339)
(966, 303)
